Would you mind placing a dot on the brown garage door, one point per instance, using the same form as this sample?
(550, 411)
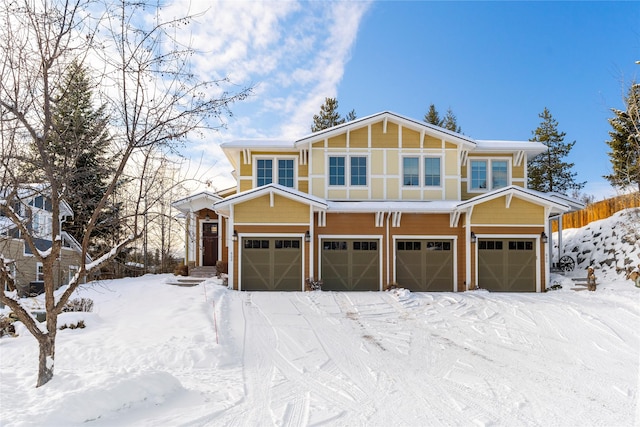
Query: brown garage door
(271, 264)
(507, 265)
(424, 265)
(350, 265)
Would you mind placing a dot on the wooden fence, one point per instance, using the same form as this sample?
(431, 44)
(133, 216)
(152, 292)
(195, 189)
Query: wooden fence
(598, 210)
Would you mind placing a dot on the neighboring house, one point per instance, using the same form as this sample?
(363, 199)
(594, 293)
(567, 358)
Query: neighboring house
(380, 200)
(34, 208)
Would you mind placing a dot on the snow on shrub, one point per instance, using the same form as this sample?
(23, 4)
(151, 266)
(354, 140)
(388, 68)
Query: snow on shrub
(78, 304)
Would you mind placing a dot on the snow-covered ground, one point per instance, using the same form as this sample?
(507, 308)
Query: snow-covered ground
(156, 354)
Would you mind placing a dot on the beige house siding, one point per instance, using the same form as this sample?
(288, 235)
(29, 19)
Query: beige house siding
(261, 211)
(359, 138)
(519, 212)
(26, 265)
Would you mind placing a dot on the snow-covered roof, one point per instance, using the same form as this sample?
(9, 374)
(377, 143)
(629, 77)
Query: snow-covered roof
(27, 192)
(532, 148)
(556, 205)
(196, 201)
(259, 143)
(222, 206)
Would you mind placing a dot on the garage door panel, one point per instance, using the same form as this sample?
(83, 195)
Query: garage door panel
(425, 265)
(271, 264)
(507, 265)
(350, 265)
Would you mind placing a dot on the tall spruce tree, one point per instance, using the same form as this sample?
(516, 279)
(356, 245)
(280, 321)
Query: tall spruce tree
(625, 142)
(81, 140)
(329, 116)
(432, 116)
(548, 171)
(449, 121)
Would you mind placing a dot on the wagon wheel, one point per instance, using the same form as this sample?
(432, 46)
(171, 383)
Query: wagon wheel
(567, 263)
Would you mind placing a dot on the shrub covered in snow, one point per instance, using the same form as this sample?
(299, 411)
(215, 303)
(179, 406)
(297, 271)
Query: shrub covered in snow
(6, 325)
(78, 304)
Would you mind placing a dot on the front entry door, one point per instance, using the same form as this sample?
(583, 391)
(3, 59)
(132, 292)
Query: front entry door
(209, 243)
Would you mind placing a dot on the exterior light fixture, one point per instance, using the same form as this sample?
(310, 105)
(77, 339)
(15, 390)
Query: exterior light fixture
(473, 237)
(307, 236)
(544, 237)
(235, 236)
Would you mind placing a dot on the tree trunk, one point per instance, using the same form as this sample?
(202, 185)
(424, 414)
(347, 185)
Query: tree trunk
(45, 362)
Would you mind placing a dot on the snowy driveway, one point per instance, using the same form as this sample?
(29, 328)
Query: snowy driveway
(149, 357)
(430, 359)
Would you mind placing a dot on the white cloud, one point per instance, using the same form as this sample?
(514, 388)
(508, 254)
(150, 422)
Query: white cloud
(294, 53)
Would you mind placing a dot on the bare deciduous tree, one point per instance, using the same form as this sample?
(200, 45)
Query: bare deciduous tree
(152, 98)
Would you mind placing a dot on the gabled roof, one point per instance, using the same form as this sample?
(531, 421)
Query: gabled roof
(222, 206)
(410, 123)
(556, 205)
(196, 202)
(27, 192)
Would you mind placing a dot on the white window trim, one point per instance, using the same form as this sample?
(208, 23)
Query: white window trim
(489, 161)
(421, 171)
(73, 269)
(347, 171)
(275, 169)
(39, 265)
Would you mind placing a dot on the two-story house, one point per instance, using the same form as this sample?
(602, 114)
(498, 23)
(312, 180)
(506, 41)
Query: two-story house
(379, 200)
(33, 207)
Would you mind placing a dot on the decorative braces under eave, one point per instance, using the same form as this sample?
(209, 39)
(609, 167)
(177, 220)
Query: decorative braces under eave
(379, 219)
(322, 218)
(247, 156)
(518, 157)
(464, 155)
(395, 219)
(303, 159)
(454, 218)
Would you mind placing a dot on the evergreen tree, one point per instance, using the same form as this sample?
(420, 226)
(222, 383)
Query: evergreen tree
(329, 116)
(625, 142)
(80, 141)
(449, 121)
(547, 171)
(432, 116)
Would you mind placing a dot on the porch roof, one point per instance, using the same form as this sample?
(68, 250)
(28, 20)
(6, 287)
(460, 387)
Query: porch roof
(223, 206)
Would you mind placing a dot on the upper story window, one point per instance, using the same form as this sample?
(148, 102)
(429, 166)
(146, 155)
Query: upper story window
(39, 272)
(489, 174)
(355, 168)
(499, 173)
(336, 171)
(431, 171)
(411, 171)
(41, 202)
(264, 172)
(432, 175)
(283, 174)
(358, 170)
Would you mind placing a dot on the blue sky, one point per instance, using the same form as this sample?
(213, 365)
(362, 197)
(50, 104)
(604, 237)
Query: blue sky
(497, 65)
